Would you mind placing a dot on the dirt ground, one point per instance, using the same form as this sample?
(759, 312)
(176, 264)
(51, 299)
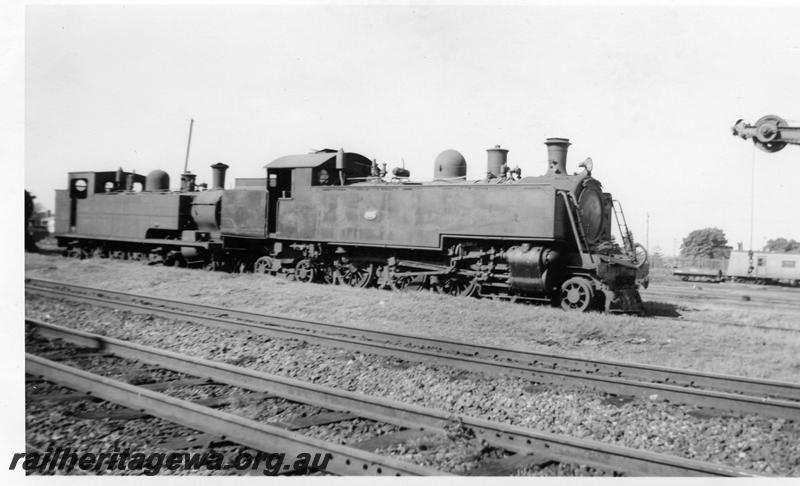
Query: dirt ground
(707, 327)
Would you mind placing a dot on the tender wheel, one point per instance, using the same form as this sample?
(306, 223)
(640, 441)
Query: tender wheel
(263, 265)
(356, 275)
(99, 252)
(460, 286)
(577, 294)
(304, 271)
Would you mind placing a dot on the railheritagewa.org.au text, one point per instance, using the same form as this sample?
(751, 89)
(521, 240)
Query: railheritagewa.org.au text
(64, 460)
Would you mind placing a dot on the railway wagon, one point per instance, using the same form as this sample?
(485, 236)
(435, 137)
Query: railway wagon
(765, 267)
(332, 216)
(700, 268)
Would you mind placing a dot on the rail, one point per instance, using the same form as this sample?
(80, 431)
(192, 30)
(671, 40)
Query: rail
(521, 440)
(675, 385)
(345, 460)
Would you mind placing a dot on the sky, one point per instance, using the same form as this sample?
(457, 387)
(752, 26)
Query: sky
(649, 92)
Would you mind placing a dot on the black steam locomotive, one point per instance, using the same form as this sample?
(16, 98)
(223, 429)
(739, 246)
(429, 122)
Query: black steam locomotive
(337, 217)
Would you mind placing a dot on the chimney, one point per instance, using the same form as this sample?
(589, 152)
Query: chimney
(218, 175)
(496, 159)
(557, 155)
(119, 180)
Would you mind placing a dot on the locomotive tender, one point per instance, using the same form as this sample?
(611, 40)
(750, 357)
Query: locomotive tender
(331, 216)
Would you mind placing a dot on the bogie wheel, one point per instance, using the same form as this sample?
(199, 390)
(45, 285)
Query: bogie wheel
(263, 265)
(356, 275)
(577, 294)
(304, 271)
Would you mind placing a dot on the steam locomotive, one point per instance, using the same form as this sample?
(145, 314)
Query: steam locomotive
(35, 227)
(337, 217)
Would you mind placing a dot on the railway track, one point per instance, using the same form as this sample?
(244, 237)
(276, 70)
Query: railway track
(527, 446)
(758, 298)
(243, 431)
(741, 325)
(725, 392)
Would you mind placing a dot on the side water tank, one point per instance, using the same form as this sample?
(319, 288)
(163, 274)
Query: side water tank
(157, 181)
(449, 164)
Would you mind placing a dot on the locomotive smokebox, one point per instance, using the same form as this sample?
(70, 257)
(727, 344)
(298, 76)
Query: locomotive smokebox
(450, 164)
(218, 175)
(557, 155)
(496, 158)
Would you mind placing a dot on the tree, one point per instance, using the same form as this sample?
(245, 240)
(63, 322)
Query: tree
(706, 243)
(782, 245)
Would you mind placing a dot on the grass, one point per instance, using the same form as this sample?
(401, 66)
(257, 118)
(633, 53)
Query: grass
(749, 351)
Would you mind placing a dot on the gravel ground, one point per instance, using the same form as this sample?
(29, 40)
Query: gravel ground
(769, 446)
(455, 453)
(734, 350)
(54, 424)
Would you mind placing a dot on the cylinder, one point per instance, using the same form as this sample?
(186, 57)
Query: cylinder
(157, 181)
(496, 158)
(528, 267)
(450, 164)
(206, 210)
(218, 175)
(557, 155)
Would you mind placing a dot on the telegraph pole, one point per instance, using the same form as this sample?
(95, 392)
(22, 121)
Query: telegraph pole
(752, 195)
(647, 235)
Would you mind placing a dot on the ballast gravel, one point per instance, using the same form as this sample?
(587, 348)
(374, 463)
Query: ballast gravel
(455, 456)
(762, 445)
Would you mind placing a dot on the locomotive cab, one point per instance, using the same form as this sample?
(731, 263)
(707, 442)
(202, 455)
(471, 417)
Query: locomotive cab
(296, 174)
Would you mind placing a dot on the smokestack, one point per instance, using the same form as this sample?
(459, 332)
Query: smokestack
(119, 180)
(557, 155)
(496, 159)
(218, 175)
